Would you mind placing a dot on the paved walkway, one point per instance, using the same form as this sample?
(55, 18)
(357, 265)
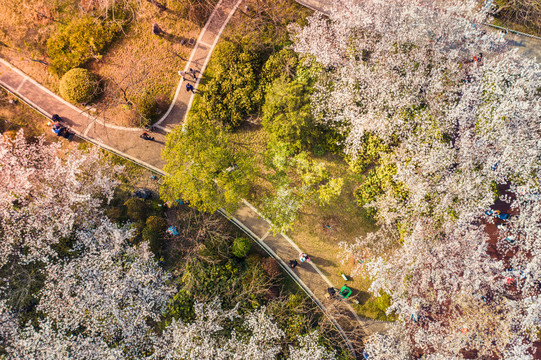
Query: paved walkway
(307, 274)
(126, 142)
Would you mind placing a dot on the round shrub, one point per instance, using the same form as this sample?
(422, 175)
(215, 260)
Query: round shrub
(241, 246)
(78, 85)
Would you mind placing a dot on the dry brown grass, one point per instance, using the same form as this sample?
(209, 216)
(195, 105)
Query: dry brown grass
(17, 115)
(520, 15)
(142, 62)
(136, 63)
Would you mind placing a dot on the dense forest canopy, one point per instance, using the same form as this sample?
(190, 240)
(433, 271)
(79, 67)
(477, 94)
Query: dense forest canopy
(459, 113)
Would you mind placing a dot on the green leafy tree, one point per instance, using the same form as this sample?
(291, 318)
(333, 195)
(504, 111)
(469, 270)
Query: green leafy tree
(282, 209)
(146, 105)
(286, 113)
(156, 223)
(241, 247)
(204, 167)
(281, 64)
(154, 238)
(79, 41)
(78, 86)
(154, 233)
(298, 180)
(229, 94)
(378, 180)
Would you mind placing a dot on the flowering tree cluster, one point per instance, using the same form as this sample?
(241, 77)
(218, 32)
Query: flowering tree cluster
(460, 112)
(44, 198)
(103, 298)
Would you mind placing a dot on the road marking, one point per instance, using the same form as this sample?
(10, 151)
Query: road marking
(265, 236)
(162, 128)
(85, 133)
(204, 43)
(21, 84)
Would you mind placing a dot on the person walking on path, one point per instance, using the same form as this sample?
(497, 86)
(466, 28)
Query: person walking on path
(189, 87)
(303, 257)
(182, 74)
(146, 136)
(193, 73)
(293, 263)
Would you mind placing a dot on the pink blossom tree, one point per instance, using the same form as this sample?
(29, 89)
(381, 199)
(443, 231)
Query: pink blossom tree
(464, 133)
(44, 198)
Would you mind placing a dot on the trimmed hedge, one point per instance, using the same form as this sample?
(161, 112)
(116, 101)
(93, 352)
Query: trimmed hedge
(78, 85)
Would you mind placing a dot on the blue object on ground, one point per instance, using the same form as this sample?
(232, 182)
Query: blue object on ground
(179, 201)
(173, 230)
(497, 214)
(511, 239)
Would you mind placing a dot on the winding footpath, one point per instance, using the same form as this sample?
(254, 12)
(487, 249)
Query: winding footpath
(126, 143)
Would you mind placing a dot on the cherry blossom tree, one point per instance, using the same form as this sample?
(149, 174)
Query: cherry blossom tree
(258, 337)
(464, 134)
(309, 348)
(44, 198)
(51, 343)
(114, 290)
(106, 297)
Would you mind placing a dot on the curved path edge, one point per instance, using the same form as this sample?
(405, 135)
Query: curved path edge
(193, 63)
(287, 269)
(125, 142)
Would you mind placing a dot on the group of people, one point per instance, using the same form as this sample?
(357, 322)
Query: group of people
(193, 74)
(302, 257)
(59, 129)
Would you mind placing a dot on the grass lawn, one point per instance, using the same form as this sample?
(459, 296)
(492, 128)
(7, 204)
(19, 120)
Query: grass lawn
(17, 115)
(137, 62)
(311, 233)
